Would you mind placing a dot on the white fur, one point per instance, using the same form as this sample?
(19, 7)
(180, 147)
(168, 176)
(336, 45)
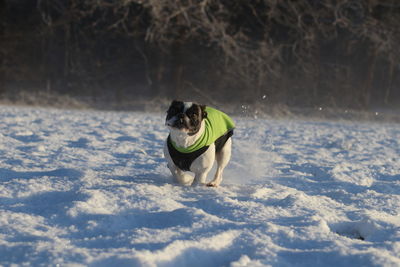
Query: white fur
(203, 164)
(187, 105)
(182, 139)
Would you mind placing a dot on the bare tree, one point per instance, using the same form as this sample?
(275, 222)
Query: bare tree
(2, 37)
(332, 52)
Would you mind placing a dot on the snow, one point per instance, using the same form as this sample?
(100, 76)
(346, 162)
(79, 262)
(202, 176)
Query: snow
(91, 188)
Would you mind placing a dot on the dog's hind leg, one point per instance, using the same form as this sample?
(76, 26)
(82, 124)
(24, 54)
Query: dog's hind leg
(222, 157)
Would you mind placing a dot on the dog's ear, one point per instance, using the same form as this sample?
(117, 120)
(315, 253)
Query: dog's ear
(203, 111)
(174, 102)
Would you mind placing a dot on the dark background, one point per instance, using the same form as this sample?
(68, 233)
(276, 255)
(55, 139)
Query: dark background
(311, 53)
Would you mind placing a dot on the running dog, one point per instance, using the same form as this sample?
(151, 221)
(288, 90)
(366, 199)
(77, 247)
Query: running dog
(199, 135)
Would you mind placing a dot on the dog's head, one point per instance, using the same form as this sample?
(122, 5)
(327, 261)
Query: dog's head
(185, 116)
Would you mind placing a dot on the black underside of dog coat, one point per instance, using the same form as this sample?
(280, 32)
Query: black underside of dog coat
(184, 160)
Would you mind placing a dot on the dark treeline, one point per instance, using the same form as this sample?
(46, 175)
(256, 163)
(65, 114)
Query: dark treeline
(340, 53)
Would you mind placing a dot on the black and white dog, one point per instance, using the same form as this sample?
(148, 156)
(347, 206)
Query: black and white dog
(199, 135)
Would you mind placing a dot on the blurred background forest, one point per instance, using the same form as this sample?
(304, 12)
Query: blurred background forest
(308, 53)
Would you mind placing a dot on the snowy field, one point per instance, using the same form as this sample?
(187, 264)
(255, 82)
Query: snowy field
(91, 188)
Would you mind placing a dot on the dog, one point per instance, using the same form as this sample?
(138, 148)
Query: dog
(199, 135)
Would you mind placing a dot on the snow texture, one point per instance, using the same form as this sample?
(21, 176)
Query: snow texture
(91, 188)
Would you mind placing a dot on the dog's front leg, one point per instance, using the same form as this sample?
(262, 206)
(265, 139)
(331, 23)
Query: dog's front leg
(200, 178)
(179, 176)
(202, 166)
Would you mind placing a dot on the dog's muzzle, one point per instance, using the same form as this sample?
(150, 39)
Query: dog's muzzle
(177, 121)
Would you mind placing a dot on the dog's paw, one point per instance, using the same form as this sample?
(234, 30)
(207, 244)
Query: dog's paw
(212, 184)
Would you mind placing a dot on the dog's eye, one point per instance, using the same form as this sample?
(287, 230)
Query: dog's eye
(192, 116)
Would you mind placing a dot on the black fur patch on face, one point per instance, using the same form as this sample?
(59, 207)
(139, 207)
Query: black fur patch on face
(185, 116)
